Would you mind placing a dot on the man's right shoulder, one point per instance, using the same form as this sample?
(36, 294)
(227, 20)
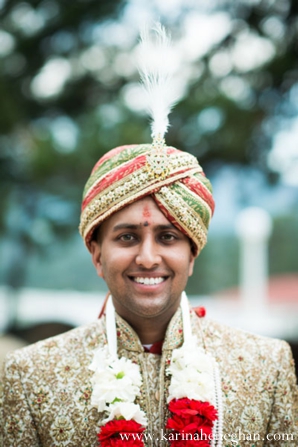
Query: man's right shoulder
(77, 342)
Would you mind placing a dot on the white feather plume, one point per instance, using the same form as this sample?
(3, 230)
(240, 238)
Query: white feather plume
(157, 66)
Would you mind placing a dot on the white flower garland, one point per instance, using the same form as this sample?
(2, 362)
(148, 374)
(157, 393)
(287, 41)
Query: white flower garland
(191, 375)
(116, 382)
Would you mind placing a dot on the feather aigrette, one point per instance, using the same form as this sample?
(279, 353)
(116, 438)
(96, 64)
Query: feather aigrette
(157, 66)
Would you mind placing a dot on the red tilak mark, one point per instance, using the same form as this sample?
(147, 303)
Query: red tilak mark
(146, 212)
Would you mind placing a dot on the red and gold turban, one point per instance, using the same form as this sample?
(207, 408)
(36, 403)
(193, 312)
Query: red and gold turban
(174, 179)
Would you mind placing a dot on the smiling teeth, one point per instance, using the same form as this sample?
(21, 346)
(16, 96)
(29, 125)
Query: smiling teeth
(150, 281)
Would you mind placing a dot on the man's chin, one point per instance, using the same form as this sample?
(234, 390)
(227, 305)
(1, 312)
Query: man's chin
(153, 307)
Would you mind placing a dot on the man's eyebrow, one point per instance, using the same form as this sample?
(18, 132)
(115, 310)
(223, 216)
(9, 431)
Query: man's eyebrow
(126, 226)
(166, 227)
(129, 226)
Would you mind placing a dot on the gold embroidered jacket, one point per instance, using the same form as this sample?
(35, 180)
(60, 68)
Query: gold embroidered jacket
(46, 387)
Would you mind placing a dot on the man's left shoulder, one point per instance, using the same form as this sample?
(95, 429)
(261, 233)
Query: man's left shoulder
(230, 342)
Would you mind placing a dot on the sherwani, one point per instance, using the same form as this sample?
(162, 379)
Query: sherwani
(46, 387)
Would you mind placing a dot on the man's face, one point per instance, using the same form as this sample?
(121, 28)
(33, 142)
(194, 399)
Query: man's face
(144, 260)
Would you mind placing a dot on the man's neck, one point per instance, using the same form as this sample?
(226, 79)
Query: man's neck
(149, 330)
(150, 326)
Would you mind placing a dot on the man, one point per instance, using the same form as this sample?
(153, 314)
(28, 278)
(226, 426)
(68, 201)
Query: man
(143, 240)
(150, 371)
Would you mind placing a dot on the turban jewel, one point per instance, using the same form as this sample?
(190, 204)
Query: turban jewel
(173, 178)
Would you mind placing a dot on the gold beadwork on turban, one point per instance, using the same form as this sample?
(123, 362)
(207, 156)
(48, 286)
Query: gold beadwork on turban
(173, 178)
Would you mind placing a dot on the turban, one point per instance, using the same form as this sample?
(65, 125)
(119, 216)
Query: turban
(173, 178)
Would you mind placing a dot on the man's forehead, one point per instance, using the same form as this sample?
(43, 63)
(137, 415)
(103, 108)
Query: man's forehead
(143, 212)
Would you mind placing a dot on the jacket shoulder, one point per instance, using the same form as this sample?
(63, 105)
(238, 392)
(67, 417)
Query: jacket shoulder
(229, 342)
(74, 343)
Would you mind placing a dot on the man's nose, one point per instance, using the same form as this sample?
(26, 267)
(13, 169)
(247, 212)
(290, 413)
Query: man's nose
(148, 255)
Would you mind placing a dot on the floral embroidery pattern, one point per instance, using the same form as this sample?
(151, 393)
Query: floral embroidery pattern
(40, 397)
(61, 428)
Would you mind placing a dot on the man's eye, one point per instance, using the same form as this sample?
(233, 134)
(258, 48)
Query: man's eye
(168, 237)
(127, 237)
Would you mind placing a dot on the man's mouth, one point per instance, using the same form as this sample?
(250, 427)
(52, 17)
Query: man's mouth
(149, 281)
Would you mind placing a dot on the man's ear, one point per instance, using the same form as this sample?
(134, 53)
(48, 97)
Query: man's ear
(96, 257)
(191, 264)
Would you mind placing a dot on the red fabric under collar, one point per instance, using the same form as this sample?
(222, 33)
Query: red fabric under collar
(156, 348)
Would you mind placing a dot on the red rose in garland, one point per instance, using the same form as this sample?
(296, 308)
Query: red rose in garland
(118, 433)
(189, 407)
(186, 426)
(191, 422)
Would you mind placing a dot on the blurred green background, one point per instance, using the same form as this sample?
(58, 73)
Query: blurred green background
(70, 91)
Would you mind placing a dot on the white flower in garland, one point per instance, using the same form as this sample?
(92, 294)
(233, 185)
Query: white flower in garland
(101, 359)
(193, 387)
(190, 355)
(127, 411)
(114, 380)
(192, 373)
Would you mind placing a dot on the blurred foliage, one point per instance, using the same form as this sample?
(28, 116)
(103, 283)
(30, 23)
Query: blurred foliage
(54, 129)
(217, 267)
(283, 245)
(41, 182)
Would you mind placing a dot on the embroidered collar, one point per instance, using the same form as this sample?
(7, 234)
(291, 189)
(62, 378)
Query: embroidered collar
(128, 339)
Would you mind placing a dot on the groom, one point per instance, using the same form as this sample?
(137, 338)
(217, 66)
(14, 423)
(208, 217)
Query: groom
(145, 216)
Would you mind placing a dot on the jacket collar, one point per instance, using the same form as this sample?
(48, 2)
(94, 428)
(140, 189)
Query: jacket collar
(128, 339)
